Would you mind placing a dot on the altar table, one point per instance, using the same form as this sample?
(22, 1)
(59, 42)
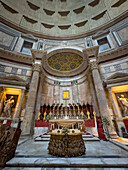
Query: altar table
(66, 145)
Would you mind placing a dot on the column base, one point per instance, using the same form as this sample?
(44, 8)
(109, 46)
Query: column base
(25, 135)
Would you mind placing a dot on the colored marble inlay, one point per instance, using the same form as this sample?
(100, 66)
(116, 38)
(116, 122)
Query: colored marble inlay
(65, 61)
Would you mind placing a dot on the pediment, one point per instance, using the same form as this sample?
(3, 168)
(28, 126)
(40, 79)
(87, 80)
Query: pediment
(117, 76)
(100, 34)
(13, 80)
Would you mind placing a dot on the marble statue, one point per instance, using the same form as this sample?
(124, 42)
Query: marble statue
(7, 108)
(124, 102)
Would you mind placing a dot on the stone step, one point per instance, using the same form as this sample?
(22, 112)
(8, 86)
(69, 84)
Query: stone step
(79, 162)
(45, 136)
(84, 136)
(87, 136)
(39, 139)
(91, 139)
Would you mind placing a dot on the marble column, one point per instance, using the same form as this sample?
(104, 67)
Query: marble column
(28, 121)
(72, 85)
(93, 94)
(56, 92)
(102, 101)
(75, 92)
(117, 112)
(19, 105)
(78, 92)
(39, 96)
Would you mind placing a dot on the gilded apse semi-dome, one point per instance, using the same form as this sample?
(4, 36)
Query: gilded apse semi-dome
(65, 61)
(62, 19)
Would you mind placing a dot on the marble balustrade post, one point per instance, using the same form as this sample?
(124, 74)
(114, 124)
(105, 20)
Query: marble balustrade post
(19, 105)
(102, 101)
(27, 126)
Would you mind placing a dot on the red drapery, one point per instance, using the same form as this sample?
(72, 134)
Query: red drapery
(44, 123)
(41, 123)
(100, 128)
(8, 123)
(90, 123)
(126, 124)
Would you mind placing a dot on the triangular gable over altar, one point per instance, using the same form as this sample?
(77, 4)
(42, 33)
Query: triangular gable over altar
(118, 78)
(13, 80)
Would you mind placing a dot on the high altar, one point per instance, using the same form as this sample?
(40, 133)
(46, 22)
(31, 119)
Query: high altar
(66, 137)
(66, 134)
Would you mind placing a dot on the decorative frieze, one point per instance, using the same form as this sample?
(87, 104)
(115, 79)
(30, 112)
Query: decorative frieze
(24, 71)
(2, 68)
(117, 67)
(107, 69)
(14, 70)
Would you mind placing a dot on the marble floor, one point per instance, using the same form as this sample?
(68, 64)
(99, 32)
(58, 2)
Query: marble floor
(123, 141)
(64, 168)
(97, 148)
(100, 155)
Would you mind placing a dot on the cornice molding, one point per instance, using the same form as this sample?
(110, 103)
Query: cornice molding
(37, 54)
(15, 57)
(93, 51)
(113, 54)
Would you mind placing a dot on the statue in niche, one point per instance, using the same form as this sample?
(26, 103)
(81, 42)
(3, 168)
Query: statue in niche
(8, 103)
(124, 104)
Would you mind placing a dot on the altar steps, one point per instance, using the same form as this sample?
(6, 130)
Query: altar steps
(47, 163)
(86, 137)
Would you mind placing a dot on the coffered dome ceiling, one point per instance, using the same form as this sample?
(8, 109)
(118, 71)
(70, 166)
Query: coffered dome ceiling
(65, 19)
(65, 61)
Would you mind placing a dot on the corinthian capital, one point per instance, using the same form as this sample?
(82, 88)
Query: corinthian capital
(36, 67)
(94, 65)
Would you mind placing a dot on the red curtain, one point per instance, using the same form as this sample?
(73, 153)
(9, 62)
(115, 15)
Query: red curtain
(126, 124)
(100, 128)
(90, 123)
(41, 123)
